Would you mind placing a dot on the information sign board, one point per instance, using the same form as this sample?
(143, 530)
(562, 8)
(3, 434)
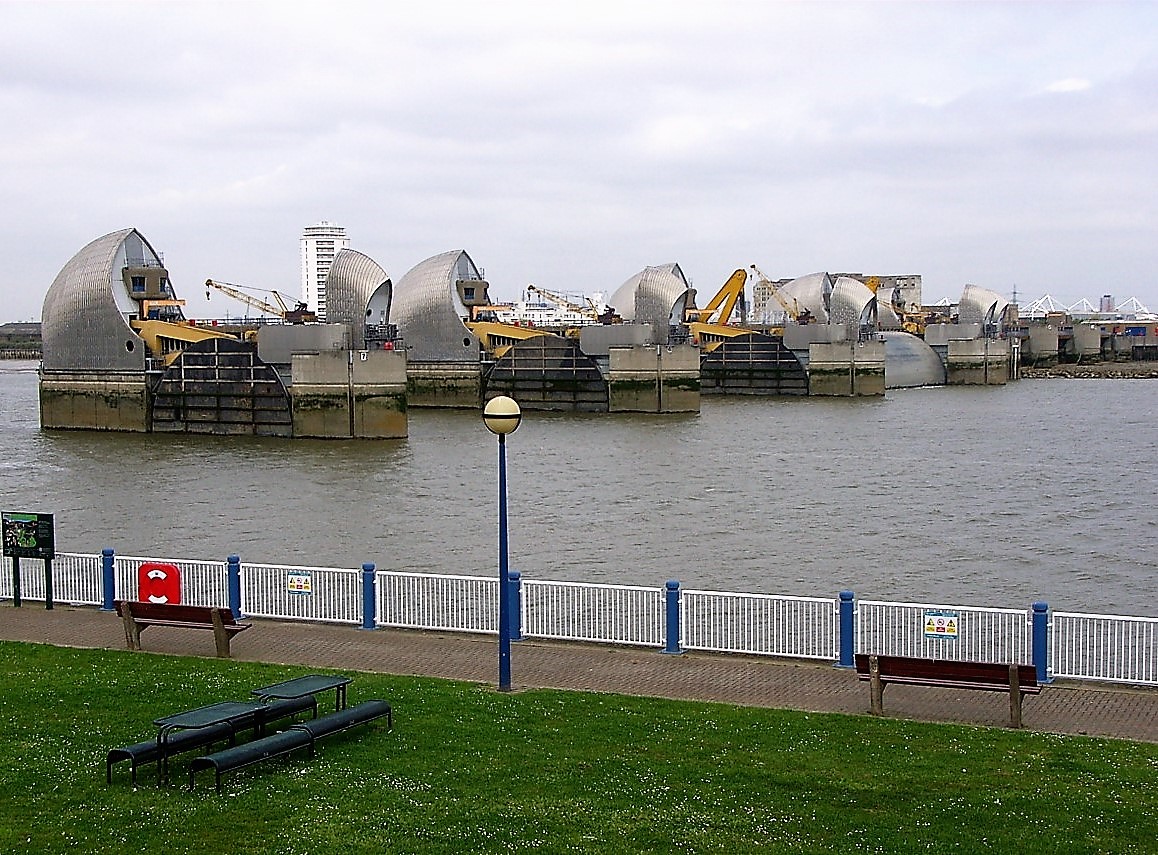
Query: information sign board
(29, 536)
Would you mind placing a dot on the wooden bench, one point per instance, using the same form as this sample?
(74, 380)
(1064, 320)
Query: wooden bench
(1017, 680)
(139, 616)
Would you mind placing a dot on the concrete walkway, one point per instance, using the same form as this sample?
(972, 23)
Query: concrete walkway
(1096, 710)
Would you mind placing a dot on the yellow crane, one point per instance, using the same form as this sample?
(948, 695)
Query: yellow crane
(300, 314)
(724, 302)
(709, 335)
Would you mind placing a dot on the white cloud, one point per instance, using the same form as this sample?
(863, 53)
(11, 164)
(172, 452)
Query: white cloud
(1069, 84)
(573, 148)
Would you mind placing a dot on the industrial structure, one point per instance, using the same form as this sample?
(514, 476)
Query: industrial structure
(120, 353)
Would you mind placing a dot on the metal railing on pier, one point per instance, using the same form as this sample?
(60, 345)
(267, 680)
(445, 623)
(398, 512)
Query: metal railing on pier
(1111, 648)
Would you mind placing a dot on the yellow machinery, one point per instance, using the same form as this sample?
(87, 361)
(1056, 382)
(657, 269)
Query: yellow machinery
(166, 340)
(709, 334)
(497, 339)
(300, 314)
(724, 302)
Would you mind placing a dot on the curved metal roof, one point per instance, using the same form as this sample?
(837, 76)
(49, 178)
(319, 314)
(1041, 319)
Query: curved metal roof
(852, 304)
(429, 314)
(657, 296)
(910, 362)
(85, 314)
(981, 306)
(809, 292)
(358, 291)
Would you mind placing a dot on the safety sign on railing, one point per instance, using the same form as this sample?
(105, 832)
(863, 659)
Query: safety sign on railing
(942, 624)
(299, 582)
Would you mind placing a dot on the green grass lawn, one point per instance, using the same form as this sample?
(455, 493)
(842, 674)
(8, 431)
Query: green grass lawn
(467, 769)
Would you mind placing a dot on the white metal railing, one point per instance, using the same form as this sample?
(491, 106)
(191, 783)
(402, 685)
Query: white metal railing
(454, 603)
(1080, 646)
(805, 627)
(613, 614)
(1104, 647)
(321, 594)
(944, 632)
(76, 579)
(203, 583)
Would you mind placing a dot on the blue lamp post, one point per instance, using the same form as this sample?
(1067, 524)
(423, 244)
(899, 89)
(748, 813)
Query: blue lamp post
(501, 415)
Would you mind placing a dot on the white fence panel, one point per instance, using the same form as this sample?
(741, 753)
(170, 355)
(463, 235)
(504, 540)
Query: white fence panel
(76, 579)
(453, 603)
(804, 627)
(203, 583)
(614, 614)
(1104, 647)
(977, 634)
(323, 594)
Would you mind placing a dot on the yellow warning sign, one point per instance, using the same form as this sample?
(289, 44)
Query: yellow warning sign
(942, 624)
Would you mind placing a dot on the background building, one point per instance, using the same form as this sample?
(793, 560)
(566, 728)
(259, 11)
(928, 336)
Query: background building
(320, 243)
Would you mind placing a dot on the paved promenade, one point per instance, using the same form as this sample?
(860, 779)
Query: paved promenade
(1096, 710)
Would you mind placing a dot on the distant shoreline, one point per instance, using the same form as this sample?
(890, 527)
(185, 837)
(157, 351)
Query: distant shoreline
(1090, 370)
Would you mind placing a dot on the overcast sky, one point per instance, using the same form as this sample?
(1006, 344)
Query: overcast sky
(1010, 145)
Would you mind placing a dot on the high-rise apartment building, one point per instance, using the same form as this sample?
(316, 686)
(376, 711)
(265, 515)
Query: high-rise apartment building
(320, 243)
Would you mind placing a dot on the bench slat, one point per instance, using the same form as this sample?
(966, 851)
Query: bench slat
(362, 713)
(248, 753)
(177, 743)
(879, 670)
(138, 616)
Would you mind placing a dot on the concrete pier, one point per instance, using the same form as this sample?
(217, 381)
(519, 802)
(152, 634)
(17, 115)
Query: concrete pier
(94, 400)
(977, 362)
(846, 369)
(654, 379)
(344, 394)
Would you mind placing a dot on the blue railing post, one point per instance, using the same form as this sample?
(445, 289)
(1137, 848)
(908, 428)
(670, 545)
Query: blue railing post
(369, 600)
(673, 617)
(108, 580)
(515, 612)
(1041, 640)
(233, 563)
(847, 636)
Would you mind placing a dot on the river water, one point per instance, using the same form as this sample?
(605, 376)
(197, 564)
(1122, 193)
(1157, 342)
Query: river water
(1043, 489)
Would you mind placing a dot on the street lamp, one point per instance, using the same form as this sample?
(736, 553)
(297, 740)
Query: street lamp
(502, 415)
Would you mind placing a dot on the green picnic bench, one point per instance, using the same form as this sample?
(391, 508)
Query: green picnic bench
(301, 735)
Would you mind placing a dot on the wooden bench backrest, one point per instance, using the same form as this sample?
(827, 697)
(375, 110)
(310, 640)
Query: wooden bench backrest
(947, 669)
(182, 613)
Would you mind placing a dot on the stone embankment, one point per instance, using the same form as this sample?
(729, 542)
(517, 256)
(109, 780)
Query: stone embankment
(1112, 370)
